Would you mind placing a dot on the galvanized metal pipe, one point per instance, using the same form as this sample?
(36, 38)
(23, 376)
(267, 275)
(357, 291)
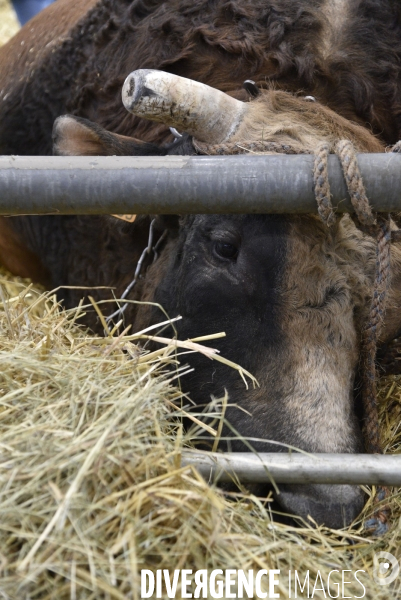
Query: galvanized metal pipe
(297, 467)
(183, 184)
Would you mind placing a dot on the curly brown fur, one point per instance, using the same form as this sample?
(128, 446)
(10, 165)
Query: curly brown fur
(222, 43)
(286, 119)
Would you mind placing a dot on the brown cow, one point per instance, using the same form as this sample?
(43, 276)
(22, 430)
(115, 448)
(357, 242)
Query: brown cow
(291, 294)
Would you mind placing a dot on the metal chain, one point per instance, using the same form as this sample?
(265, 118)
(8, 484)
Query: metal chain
(147, 250)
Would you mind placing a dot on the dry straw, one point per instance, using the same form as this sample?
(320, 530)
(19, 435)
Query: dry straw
(91, 488)
(8, 22)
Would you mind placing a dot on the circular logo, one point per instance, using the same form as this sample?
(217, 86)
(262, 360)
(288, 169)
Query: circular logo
(387, 570)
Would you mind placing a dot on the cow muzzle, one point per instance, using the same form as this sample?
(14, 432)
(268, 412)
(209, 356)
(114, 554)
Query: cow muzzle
(334, 506)
(198, 109)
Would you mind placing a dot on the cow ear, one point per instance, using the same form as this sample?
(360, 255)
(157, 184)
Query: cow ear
(74, 136)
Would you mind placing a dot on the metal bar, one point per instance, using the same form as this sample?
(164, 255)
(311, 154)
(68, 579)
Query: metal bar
(297, 467)
(185, 184)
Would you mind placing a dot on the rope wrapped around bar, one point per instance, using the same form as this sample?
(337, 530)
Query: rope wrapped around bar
(378, 226)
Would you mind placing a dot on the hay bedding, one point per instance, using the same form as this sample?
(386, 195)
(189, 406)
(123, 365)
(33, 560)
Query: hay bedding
(8, 22)
(91, 489)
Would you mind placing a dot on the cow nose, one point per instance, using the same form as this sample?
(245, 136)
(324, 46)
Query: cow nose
(334, 506)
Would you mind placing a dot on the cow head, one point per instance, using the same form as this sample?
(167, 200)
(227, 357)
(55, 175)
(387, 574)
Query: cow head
(291, 295)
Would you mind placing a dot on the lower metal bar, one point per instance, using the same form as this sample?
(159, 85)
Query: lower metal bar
(297, 467)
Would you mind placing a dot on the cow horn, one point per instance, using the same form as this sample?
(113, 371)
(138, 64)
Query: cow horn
(202, 111)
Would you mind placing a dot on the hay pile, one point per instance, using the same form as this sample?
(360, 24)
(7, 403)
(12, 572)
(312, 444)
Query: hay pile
(8, 22)
(91, 489)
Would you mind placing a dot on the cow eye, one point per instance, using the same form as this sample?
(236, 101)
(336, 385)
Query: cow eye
(226, 250)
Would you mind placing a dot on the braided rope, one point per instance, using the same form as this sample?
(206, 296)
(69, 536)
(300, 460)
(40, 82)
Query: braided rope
(371, 335)
(346, 153)
(379, 228)
(322, 186)
(378, 523)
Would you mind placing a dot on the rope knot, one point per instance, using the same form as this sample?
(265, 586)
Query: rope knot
(353, 178)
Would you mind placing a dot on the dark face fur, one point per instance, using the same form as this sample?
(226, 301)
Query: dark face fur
(281, 291)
